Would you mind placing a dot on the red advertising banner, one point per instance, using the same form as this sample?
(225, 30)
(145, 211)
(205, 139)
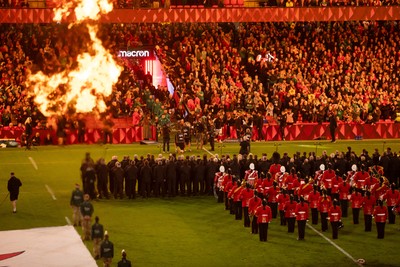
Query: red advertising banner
(303, 131)
(215, 15)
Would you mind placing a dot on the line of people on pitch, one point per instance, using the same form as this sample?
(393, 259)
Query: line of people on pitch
(149, 176)
(254, 197)
(82, 215)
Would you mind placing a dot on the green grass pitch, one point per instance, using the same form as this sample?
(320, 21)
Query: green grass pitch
(184, 231)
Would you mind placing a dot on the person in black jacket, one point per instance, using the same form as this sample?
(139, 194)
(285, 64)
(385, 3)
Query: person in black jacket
(124, 262)
(13, 188)
(131, 174)
(333, 125)
(146, 175)
(159, 176)
(170, 175)
(107, 250)
(166, 137)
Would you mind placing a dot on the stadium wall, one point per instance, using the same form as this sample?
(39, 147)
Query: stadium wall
(43, 15)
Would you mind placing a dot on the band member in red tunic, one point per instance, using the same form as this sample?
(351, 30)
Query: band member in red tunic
(275, 166)
(218, 181)
(301, 217)
(368, 209)
(264, 217)
(324, 205)
(336, 182)
(235, 185)
(236, 200)
(379, 190)
(254, 203)
(227, 185)
(313, 200)
(356, 202)
(326, 180)
(344, 195)
(282, 199)
(381, 215)
(351, 174)
(335, 216)
(251, 176)
(245, 196)
(272, 199)
(392, 196)
(318, 174)
(290, 213)
(280, 176)
(305, 189)
(360, 178)
(289, 182)
(267, 183)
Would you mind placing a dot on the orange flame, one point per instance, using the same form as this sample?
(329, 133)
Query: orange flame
(85, 87)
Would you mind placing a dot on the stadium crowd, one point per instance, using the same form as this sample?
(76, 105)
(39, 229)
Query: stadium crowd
(240, 75)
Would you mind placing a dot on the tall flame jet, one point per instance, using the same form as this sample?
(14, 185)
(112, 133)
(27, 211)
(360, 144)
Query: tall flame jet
(83, 88)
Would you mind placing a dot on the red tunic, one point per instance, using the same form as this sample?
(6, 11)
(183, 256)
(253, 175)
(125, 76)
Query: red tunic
(371, 181)
(282, 199)
(274, 169)
(356, 200)
(313, 199)
(344, 191)
(290, 209)
(226, 181)
(267, 184)
(251, 176)
(219, 179)
(368, 205)
(391, 197)
(272, 194)
(327, 177)
(335, 214)
(254, 203)
(305, 190)
(335, 184)
(324, 203)
(360, 179)
(280, 177)
(289, 181)
(264, 214)
(301, 211)
(380, 214)
(245, 196)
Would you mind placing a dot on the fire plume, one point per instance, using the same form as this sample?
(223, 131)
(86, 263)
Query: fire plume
(84, 87)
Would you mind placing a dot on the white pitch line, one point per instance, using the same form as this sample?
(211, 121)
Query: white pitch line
(68, 220)
(208, 152)
(335, 245)
(33, 163)
(51, 192)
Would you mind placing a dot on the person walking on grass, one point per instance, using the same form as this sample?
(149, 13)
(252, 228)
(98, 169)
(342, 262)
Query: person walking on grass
(86, 212)
(76, 201)
(124, 262)
(13, 188)
(97, 237)
(107, 250)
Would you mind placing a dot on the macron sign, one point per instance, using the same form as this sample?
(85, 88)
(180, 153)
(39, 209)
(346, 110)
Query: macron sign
(134, 53)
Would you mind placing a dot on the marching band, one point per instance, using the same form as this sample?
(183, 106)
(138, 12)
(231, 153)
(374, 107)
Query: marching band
(259, 196)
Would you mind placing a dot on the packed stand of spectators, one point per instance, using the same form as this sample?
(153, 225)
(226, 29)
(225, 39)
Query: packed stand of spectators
(289, 71)
(236, 74)
(48, 48)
